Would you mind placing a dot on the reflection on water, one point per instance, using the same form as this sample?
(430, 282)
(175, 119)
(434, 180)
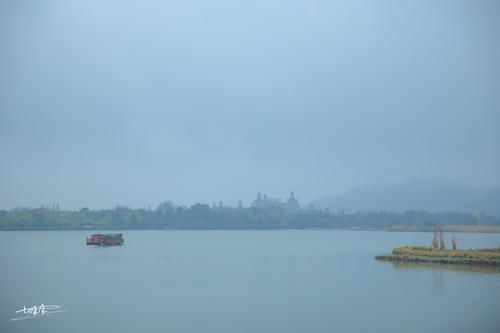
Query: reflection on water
(441, 278)
(450, 267)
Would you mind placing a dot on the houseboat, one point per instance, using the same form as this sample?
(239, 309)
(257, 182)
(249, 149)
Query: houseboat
(105, 239)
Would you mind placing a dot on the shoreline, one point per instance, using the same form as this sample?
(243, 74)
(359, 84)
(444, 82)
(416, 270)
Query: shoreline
(446, 228)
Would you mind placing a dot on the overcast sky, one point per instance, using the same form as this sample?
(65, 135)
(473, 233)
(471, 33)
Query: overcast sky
(135, 102)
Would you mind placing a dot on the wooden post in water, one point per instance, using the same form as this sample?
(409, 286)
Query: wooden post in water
(441, 238)
(435, 243)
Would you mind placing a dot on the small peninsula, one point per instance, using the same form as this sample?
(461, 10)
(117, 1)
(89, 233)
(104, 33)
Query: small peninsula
(424, 254)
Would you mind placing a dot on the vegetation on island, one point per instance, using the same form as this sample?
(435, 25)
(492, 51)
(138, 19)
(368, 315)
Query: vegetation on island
(263, 213)
(430, 255)
(438, 254)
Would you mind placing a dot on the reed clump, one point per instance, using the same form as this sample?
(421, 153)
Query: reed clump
(441, 239)
(435, 243)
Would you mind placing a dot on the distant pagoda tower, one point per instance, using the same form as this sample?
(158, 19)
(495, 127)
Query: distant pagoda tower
(258, 202)
(292, 204)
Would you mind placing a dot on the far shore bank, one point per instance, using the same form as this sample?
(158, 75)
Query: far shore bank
(397, 228)
(402, 228)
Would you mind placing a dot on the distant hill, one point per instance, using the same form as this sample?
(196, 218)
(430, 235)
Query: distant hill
(415, 194)
(491, 201)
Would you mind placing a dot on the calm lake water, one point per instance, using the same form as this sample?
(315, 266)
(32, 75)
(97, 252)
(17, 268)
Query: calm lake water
(241, 281)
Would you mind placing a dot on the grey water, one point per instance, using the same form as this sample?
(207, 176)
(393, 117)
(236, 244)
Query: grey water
(241, 281)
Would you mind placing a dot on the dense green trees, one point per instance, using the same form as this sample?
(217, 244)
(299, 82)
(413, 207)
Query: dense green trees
(201, 216)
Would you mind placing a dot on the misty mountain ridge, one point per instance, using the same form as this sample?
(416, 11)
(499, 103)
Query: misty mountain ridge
(415, 194)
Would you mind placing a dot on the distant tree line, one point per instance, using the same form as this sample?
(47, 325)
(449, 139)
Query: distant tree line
(201, 216)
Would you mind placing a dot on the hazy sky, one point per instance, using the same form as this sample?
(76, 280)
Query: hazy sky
(135, 102)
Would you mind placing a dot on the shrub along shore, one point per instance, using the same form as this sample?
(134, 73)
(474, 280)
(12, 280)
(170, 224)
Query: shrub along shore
(201, 216)
(426, 254)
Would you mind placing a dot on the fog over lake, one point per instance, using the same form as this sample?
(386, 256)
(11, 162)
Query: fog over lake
(131, 103)
(235, 166)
